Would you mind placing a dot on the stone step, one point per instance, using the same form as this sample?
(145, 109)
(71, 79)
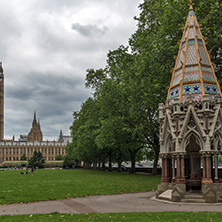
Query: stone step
(193, 200)
(193, 196)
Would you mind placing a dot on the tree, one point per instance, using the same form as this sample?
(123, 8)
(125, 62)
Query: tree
(84, 131)
(127, 91)
(68, 162)
(36, 160)
(59, 157)
(23, 157)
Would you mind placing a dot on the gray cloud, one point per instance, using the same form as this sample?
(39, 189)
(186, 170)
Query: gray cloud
(89, 30)
(45, 60)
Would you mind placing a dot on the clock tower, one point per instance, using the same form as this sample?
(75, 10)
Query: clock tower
(1, 103)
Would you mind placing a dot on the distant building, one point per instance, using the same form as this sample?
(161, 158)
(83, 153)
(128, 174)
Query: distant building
(11, 150)
(35, 133)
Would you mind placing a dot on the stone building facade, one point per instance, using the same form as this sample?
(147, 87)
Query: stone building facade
(11, 150)
(191, 123)
(35, 133)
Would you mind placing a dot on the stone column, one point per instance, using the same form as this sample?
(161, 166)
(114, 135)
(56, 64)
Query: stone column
(173, 170)
(207, 169)
(180, 170)
(216, 180)
(165, 169)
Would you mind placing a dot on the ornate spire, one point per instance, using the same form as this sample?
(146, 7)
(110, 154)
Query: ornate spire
(193, 72)
(191, 4)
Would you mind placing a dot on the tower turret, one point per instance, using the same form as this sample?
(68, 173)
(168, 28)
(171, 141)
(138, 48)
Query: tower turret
(1, 102)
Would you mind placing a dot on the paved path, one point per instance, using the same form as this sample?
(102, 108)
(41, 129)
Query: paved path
(134, 202)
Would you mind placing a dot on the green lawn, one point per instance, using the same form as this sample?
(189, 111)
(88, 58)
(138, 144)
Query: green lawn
(128, 217)
(59, 184)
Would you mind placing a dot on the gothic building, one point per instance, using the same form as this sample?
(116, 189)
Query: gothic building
(191, 123)
(35, 133)
(11, 150)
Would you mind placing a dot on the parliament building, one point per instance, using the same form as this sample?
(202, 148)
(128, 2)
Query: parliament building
(11, 150)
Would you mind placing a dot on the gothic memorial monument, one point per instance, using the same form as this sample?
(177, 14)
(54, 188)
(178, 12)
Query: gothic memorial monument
(191, 123)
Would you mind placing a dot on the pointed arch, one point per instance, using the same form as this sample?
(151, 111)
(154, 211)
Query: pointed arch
(169, 145)
(217, 140)
(190, 135)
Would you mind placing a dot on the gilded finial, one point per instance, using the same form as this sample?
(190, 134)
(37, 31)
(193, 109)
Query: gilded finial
(191, 4)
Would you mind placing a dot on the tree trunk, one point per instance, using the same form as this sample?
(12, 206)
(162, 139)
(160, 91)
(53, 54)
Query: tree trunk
(110, 163)
(94, 164)
(99, 164)
(120, 161)
(103, 162)
(133, 161)
(156, 158)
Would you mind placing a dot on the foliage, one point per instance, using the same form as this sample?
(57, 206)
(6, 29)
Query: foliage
(62, 184)
(68, 162)
(130, 217)
(36, 160)
(59, 157)
(23, 157)
(122, 116)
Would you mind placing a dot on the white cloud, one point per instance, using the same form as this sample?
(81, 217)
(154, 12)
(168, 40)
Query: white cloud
(46, 47)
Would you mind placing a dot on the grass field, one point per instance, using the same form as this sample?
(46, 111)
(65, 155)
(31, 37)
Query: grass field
(127, 217)
(60, 184)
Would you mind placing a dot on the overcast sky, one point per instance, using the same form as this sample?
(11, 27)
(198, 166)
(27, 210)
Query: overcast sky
(46, 47)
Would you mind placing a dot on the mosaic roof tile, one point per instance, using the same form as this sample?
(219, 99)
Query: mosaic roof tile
(174, 92)
(183, 45)
(191, 56)
(185, 35)
(180, 59)
(191, 69)
(198, 34)
(200, 42)
(191, 35)
(187, 89)
(203, 56)
(176, 80)
(206, 69)
(208, 77)
(177, 73)
(191, 77)
(191, 42)
(210, 89)
(194, 71)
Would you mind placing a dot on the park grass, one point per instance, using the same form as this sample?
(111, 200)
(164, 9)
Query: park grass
(48, 184)
(128, 217)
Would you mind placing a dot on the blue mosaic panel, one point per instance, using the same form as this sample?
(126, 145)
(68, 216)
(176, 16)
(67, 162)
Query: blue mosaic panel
(174, 92)
(210, 89)
(203, 56)
(191, 69)
(191, 77)
(191, 42)
(176, 80)
(206, 69)
(179, 72)
(208, 77)
(194, 89)
(180, 59)
(200, 42)
(191, 55)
